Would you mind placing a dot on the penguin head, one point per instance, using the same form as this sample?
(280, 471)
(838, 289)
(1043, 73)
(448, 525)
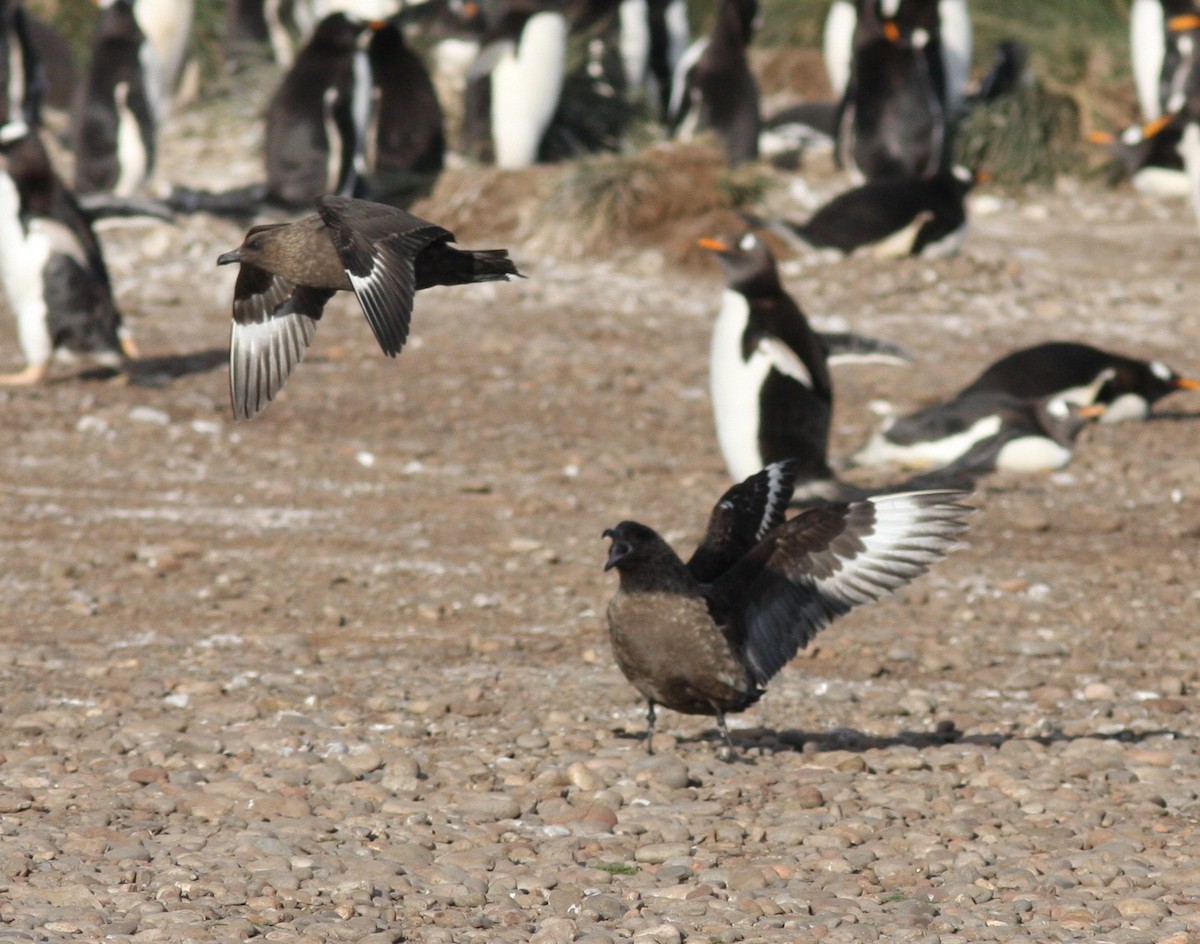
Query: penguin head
(1062, 419)
(746, 259)
(901, 22)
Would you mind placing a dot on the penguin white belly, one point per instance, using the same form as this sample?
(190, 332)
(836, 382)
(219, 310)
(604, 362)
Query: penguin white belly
(1032, 454)
(526, 84)
(1189, 149)
(362, 106)
(132, 159)
(1128, 406)
(635, 42)
(1147, 45)
(334, 147)
(935, 452)
(900, 244)
(681, 90)
(278, 35)
(16, 79)
(736, 384)
(23, 260)
(678, 31)
(838, 44)
(1162, 182)
(955, 22)
(167, 26)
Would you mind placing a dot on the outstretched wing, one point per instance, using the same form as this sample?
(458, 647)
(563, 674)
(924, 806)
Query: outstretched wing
(826, 561)
(742, 517)
(377, 245)
(273, 323)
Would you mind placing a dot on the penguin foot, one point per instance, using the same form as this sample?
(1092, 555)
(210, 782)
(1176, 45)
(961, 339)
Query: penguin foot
(33, 374)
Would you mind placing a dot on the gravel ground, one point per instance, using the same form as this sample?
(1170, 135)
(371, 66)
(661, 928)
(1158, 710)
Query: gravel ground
(340, 673)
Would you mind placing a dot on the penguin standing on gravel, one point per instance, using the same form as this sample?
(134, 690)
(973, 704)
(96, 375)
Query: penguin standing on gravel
(515, 84)
(771, 390)
(115, 119)
(51, 265)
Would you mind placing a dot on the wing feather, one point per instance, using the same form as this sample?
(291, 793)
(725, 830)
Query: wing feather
(274, 322)
(826, 561)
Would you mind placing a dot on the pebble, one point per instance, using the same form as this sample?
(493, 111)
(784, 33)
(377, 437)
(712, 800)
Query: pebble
(253, 692)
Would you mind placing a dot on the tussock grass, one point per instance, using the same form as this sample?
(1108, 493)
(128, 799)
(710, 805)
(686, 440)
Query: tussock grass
(664, 197)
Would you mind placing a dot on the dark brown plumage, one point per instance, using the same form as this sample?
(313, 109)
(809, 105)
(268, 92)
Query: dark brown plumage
(290, 270)
(705, 637)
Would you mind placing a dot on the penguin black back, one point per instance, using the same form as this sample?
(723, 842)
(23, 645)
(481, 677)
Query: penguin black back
(893, 120)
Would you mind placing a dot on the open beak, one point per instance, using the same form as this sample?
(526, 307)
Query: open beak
(891, 31)
(618, 550)
(1186, 383)
(712, 245)
(225, 258)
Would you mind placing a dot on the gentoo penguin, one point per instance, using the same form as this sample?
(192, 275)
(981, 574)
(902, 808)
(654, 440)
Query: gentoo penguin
(771, 392)
(1149, 155)
(115, 114)
(898, 216)
(51, 265)
(514, 86)
(954, 27)
(982, 432)
(406, 142)
(895, 115)
(714, 89)
(318, 117)
(21, 68)
(1080, 373)
(1155, 30)
(1164, 41)
(705, 637)
(288, 271)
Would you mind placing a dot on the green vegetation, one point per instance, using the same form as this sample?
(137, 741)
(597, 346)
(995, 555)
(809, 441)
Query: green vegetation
(617, 868)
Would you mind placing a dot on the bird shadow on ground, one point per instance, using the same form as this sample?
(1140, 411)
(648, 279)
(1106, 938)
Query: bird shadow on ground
(160, 371)
(752, 742)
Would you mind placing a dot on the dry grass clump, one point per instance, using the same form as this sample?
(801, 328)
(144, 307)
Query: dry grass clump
(664, 198)
(1024, 139)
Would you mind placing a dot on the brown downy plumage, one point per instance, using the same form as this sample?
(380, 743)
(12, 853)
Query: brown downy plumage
(705, 637)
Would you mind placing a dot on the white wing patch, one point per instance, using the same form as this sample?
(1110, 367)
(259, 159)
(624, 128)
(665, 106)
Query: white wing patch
(910, 533)
(785, 360)
(262, 355)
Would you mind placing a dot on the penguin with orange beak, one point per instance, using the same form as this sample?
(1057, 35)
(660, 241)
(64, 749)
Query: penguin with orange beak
(900, 67)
